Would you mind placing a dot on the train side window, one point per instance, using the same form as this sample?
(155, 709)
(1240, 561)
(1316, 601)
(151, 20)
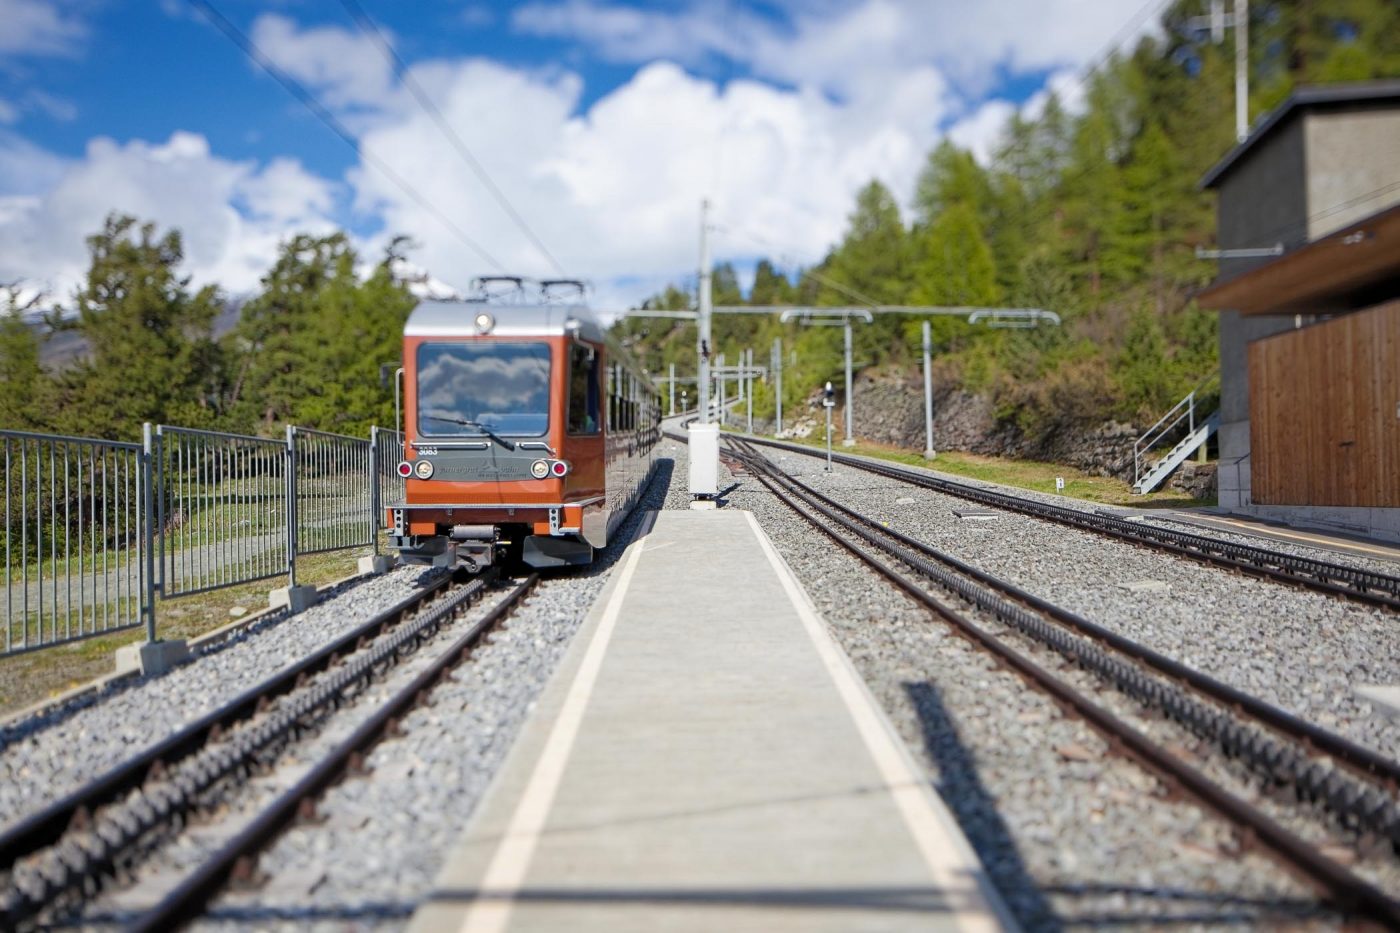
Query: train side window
(583, 390)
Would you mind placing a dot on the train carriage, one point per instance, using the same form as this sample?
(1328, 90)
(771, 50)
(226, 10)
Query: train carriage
(528, 434)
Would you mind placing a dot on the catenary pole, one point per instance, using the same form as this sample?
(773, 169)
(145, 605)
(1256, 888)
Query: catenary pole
(928, 393)
(778, 383)
(703, 339)
(850, 396)
(1241, 69)
(748, 378)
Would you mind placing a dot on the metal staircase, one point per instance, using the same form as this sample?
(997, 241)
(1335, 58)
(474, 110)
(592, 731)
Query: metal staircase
(1148, 476)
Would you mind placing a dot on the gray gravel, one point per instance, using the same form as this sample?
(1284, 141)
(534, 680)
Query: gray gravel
(386, 834)
(48, 755)
(1070, 835)
(1375, 565)
(1298, 649)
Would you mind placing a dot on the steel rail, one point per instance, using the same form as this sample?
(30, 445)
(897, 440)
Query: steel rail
(100, 837)
(1279, 747)
(189, 899)
(1342, 888)
(1358, 757)
(47, 826)
(1325, 576)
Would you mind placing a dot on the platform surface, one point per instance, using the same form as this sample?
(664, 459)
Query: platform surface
(706, 758)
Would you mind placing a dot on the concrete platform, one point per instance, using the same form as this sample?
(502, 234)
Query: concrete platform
(707, 759)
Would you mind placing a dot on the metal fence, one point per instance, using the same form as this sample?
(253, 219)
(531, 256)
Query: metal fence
(388, 451)
(221, 509)
(97, 531)
(331, 497)
(76, 538)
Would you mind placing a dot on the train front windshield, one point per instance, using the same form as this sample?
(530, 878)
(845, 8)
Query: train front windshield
(483, 386)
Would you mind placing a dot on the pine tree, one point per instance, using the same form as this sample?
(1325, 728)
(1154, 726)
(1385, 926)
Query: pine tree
(770, 287)
(151, 354)
(953, 264)
(872, 259)
(25, 389)
(280, 333)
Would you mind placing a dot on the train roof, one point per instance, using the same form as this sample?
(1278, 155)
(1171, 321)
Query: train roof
(458, 319)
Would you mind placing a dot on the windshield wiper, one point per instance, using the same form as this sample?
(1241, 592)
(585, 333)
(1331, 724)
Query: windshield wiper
(508, 445)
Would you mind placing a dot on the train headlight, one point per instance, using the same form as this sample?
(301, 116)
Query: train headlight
(424, 469)
(559, 468)
(485, 323)
(405, 469)
(539, 469)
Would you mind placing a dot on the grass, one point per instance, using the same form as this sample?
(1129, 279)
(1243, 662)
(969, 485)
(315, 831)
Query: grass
(1033, 475)
(30, 678)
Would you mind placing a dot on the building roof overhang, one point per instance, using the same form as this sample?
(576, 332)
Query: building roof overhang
(1320, 277)
(1309, 97)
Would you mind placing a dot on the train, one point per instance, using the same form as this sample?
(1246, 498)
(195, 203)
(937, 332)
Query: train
(529, 433)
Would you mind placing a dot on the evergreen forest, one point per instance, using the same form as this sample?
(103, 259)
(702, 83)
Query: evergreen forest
(1092, 212)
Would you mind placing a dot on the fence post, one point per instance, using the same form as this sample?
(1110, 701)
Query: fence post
(374, 503)
(291, 506)
(148, 537)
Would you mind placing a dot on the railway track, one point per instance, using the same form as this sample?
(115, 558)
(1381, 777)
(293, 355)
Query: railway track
(1364, 586)
(72, 848)
(1348, 785)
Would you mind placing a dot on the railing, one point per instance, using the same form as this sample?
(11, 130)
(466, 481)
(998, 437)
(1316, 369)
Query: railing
(387, 448)
(76, 539)
(332, 502)
(97, 531)
(1183, 412)
(221, 509)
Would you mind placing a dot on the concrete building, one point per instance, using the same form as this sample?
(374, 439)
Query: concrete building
(1320, 177)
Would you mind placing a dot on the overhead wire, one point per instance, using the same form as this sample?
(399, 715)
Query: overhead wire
(405, 76)
(309, 100)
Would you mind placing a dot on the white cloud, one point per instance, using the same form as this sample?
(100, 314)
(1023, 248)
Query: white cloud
(40, 27)
(179, 184)
(981, 131)
(842, 46)
(346, 65)
(615, 192)
(627, 34)
(1067, 84)
(8, 113)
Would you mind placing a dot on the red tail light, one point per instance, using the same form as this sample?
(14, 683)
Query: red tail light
(559, 468)
(405, 469)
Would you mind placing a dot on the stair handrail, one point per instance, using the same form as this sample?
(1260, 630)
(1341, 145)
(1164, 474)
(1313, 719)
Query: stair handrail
(1184, 409)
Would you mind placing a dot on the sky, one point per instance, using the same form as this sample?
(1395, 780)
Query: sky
(601, 123)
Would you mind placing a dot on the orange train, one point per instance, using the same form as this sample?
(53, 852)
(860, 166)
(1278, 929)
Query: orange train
(528, 433)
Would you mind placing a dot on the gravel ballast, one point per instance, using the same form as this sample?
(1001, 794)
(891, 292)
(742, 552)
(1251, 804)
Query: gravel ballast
(386, 834)
(53, 753)
(1070, 835)
(1296, 648)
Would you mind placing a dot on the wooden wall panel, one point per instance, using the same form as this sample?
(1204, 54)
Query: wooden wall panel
(1325, 413)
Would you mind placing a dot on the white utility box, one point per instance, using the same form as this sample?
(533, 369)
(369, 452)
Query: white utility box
(704, 459)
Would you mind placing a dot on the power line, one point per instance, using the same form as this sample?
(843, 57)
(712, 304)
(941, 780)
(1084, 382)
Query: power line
(368, 26)
(293, 87)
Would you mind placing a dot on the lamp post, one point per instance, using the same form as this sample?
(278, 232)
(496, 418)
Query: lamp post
(828, 402)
